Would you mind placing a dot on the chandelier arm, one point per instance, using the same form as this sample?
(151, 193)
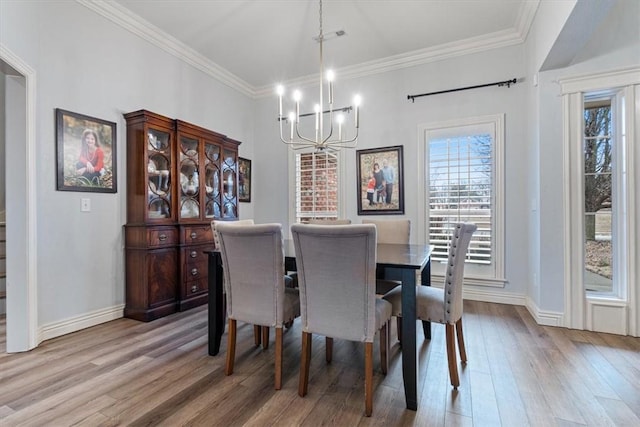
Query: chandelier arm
(303, 138)
(348, 141)
(330, 124)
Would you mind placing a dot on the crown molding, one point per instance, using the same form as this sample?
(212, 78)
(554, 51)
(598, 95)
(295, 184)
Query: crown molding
(411, 59)
(526, 14)
(138, 26)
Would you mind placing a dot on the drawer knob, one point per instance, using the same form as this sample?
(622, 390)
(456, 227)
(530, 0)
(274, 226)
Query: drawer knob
(194, 254)
(194, 271)
(194, 234)
(194, 288)
(162, 237)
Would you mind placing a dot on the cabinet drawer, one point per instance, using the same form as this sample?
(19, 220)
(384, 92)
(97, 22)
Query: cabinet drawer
(162, 237)
(194, 287)
(194, 255)
(194, 271)
(196, 234)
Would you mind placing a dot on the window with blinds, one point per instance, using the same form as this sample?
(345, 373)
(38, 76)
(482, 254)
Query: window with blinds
(464, 185)
(316, 186)
(460, 171)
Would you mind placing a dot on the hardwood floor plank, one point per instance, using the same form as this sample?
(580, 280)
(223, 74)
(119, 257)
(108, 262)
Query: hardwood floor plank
(619, 412)
(158, 373)
(626, 391)
(500, 343)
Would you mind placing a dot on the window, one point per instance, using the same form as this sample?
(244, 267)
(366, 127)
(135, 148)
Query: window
(316, 185)
(599, 209)
(464, 184)
(601, 221)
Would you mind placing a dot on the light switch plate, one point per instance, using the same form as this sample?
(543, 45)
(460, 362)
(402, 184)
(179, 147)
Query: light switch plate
(85, 205)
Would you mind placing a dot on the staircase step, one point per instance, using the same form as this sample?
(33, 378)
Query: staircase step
(3, 294)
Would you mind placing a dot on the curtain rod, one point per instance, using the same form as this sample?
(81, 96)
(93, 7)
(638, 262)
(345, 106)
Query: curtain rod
(506, 83)
(337, 110)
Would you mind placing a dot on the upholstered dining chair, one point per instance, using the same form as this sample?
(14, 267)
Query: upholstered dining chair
(336, 269)
(444, 305)
(390, 231)
(253, 261)
(261, 335)
(316, 221)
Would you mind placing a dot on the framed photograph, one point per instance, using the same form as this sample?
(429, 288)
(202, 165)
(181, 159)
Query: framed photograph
(86, 153)
(380, 181)
(244, 180)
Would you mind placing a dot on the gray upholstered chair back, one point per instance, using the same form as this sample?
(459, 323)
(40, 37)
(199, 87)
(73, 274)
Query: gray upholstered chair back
(315, 221)
(337, 278)
(214, 224)
(460, 239)
(392, 230)
(253, 261)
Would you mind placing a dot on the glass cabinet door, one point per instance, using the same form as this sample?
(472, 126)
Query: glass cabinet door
(212, 180)
(189, 178)
(229, 175)
(158, 174)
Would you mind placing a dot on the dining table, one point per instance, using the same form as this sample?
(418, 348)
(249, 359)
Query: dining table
(399, 262)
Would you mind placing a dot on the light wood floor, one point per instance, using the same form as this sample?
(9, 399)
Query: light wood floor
(132, 373)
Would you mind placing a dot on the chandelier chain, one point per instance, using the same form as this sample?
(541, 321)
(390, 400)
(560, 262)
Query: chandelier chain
(320, 20)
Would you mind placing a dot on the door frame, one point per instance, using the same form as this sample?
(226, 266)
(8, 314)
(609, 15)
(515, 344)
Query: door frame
(22, 302)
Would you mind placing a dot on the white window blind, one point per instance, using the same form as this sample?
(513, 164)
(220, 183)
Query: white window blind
(460, 190)
(316, 185)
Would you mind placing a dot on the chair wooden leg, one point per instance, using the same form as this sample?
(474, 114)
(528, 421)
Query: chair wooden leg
(399, 329)
(368, 378)
(257, 331)
(278, 358)
(329, 349)
(265, 337)
(461, 349)
(384, 347)
(305, 361)
(231, 347)
(451, 355)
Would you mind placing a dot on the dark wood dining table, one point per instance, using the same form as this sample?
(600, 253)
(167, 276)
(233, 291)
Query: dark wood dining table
(403, 261)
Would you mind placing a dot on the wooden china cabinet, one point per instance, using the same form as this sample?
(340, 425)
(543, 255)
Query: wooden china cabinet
(179, 178)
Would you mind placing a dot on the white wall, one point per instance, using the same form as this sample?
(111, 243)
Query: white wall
(388, 118)
(3, 168)
(87, 64)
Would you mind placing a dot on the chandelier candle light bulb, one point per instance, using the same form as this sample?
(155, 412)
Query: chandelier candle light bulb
(320, 142)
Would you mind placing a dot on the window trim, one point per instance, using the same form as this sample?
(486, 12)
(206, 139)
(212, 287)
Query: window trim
(582, 310)
(497, 121)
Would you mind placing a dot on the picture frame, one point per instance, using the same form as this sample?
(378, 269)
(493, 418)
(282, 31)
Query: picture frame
(244, 180)
(375, 195)
(84, 165)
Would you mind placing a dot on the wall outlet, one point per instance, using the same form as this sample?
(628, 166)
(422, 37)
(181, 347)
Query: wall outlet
(85, 205)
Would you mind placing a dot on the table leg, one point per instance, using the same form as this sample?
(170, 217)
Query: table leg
(409, 347)
(426, 281)
(216, 313)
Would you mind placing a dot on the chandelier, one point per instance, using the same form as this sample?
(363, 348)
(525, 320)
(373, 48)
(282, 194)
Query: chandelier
(320, 141)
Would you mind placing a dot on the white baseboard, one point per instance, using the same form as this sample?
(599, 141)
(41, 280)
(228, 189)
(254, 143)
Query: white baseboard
(542, 317)
(74, 324)
(490, 295)
(545, 317)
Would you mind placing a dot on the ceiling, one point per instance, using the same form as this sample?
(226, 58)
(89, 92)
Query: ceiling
(254, 44)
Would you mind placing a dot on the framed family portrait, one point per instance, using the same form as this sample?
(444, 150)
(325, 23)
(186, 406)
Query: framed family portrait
(244, 180)
(380, 181)
(86, 153)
